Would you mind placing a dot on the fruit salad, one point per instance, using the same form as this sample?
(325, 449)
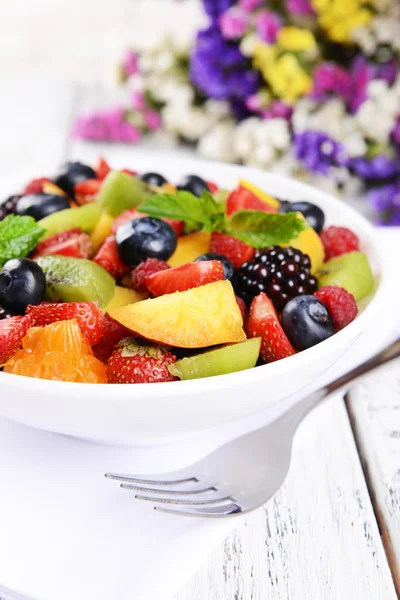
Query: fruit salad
(110, 276)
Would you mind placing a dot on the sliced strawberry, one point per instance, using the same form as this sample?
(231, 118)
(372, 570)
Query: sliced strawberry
(263, 322)
(212, 186)
(102, 168)
(129, 172)
(73, 243)
(114, 332)
(12, 331)
(236, 251)
(178, 226)
(85, 191)
(184, 277)
(244, 199)
(35, 186)
(107, 257)
(89, 317)
(127, 215)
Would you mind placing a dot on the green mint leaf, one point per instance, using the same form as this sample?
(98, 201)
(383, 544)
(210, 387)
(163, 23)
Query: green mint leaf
(261, 229)
(18, 237)
(202, 213)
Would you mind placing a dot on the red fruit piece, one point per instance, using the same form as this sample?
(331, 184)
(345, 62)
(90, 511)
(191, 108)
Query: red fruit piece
(73, 243)
(236, 251)
(102, 168)
(243, 308)
(129, 172)
(338, 241)
(35, 186)
(114, 332)
(12, 331)
(212, 186)
(145, 269)
(133, 362)
(185, 277)
(85, 191)
(263, 322)
(244, 199)
(107, 257)
(89, 317)
(178, 226)
(127, 215)
(341, 305)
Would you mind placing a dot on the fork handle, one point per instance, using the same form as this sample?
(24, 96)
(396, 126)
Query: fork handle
(296, 414)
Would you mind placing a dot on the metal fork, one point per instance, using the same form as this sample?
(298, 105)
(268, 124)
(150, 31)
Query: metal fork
(246, 472)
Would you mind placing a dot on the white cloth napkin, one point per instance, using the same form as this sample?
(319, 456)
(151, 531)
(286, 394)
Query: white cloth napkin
(68, 533)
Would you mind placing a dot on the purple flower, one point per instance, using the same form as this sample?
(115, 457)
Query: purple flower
(396, 133)
(130, 63)
(215, 8)
(329, 78)
(250, 5)
(268, 25)
(386, 71)
(277, 109)
(299, 7)
(233, 23)
(378, 168)
(385, 201)
(318, 152)
(361, 74)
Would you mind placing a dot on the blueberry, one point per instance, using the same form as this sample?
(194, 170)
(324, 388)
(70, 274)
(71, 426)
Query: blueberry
(313, 213)
(22, 282)
(306, 322)
(153, 179)
(285, 206)
(40, 205)
(229, 270)
(72, 173)
(194, 184)
(145, 238)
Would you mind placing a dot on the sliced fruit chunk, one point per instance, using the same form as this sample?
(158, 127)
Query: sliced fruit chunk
(122, 297)
(309, 242)
(69, 243)
(107, 257)
(113, 333)
(350, 271)
(190, 247)
(121, 191)
(270, 200)
(102, 230)
(76, 280)
(85, 217)
(12, 331)
(184, 277)
(235, 250)
(200, 317)
(236, 357)
(244, 199)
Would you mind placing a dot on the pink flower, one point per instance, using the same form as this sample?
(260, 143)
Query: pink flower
(277, 110)
(130, 63)
(299, 7)
(137, 100)
(125, 132)
(250, 5)
(329, 78)
(268, 25)
(233, 23)
(152, 119)
(396, 132)
(90, 127)
(253, 103)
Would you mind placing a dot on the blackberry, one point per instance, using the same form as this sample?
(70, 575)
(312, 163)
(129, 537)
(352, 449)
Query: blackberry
(8, 206)
(282, 273)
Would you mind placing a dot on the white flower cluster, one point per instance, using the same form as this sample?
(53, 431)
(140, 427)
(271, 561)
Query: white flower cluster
(376, 117)
(381, 31)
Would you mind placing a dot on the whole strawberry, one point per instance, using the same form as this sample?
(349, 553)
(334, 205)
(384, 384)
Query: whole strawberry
(136, 362)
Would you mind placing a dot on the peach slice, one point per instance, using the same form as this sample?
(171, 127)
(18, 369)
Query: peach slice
(190, 247)
(198, 318)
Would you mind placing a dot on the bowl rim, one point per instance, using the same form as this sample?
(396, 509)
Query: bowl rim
(215, 383)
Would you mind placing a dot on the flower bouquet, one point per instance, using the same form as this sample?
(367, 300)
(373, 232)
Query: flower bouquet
(307, 88)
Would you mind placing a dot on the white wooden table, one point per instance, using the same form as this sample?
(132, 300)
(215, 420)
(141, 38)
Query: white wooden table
(333, 531)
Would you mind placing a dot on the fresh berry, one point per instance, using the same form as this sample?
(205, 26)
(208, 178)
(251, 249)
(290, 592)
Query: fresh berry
(185, 277)
(102, 168)
(40, 205)
(243, 308)
(338, 241)
(145, 269)
(107, 256)
(282, 273)
(244, 199)
(85, 191)
(311, 212)
(114, 332)
(11, 333)
(4, 314)
(212, 186)
(153, 179)
(127, 215)
(133, 362)
(89, 317)
(71, 174)
(236, 251)
(263, 322)
(35, 186)
(230, 272)
(129, 172)
(193, 184)
(22, 282)
(307, 322)
(340, 303)
(8, 206)
(145, 238)
(72, 242)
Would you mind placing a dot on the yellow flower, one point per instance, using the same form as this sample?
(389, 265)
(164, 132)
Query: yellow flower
(283, 73)
(340, 17)
(294, 39)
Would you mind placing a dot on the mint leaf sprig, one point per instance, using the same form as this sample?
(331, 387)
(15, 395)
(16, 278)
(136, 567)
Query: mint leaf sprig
(18, 237)
(254, 227)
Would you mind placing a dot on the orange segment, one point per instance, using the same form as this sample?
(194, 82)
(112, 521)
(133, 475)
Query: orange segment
(200, 317)
(190, 247)
(59, 352)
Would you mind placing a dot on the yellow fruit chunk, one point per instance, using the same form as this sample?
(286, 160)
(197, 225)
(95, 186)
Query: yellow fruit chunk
(260, 194)
(122, 297)
(168, 188)
(200, 317)
(190, 247)
(309, 242)
(51, 188)
(101, 231)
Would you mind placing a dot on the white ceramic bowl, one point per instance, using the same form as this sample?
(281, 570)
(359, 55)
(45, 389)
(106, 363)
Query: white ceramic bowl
(143, 414)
